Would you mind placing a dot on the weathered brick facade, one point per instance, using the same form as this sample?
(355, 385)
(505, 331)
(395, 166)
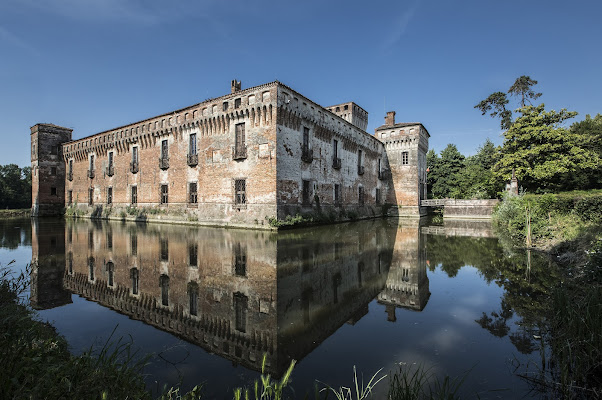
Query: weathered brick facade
(246, 159)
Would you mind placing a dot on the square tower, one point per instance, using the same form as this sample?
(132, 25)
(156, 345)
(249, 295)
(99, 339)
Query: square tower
(48, 169)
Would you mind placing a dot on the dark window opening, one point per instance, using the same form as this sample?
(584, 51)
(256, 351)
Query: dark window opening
(193, 295)
(237, 103)
(53, 171)
(134, 244)
(377, 196)
(240, 311)
(225, 106)
(109, 195)
(111, 273)
(193, 254)
(91, 268)
(404, 158)
(337, 194)
(53, 191)
(164, 194)
(240, 191)
(192, 144)
(360, 196)
(164, 149)
(240, 147)
(164, 283)
(193, 195)
(240, 260)
(91, 196)
(70, 197)
(109, 239)
(134, 194)
(164, 249)
(135, 275)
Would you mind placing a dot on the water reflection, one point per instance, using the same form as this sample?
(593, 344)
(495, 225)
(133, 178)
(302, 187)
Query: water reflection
(235, 293)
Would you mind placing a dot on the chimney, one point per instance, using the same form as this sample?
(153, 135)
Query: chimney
(390, 118)
(235, 86)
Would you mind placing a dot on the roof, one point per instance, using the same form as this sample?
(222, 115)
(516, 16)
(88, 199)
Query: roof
(401, 125)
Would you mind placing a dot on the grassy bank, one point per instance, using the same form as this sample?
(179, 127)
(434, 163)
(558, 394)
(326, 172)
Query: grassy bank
(20, 213)
(567, 226)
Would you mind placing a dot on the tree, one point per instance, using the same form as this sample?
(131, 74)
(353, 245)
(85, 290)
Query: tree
(476, 181)
(544, 155)
(589, 134)
(445, 172)
(497, 102)
(15, 186)
(522, 88)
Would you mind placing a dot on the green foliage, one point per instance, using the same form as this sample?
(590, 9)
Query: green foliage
(522, 88)
(444, 171)
(546, 157)
(475, 180)
(266, 388)
(589, 134)
(15, 186)
(357, 390)
(414, 383)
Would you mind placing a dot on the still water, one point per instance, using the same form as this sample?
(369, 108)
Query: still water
(207, 303)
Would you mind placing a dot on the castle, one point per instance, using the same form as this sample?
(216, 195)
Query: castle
(252, 158)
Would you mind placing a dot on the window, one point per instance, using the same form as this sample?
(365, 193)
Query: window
(164, 284)
(337, 194)
(360, 195)
(193, 254)
(404, 158)
(111, 273)
(306, 193)
(135, 276)
(305, 137)
(134, 244)
(240, 260)
(110, 159)
(54, 150)
(53, 171)
(109, 195)
(377, 196)
(225, 106)
(193, 294)
(192, 144)
(240, 148)
(164, 249)
(240, 191)
(70, 197)
(360, 167)
(192, 190)
(237, 103)
(164, 194)
(70, 172)
(164, 150)
(240, 311)
(346, 107)
(91, 268)
(53, 191)
(134, 194)
(92, 162)
(336, 161)
(91, 196)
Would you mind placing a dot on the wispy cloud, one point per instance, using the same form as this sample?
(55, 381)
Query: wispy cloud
(12, 40)
(400, 26)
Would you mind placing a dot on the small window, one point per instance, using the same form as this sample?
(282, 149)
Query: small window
(53, 171)
(193, 195)
(193, 294)
(92, 162)
(53, 191)
(135, 275)
(164, 249)
(164, 194)
(91, 196)
(164, 149)
(306, 193)
(70, 197)
(134, 244)
(346, 107)
(404, 158)
(337, 194)
(225, 106)
(193, 254)
(360, 196)
(237, 103)
(240, 191)
(134, 194)
(192, 144)
(377, 196)
(109, 195)
(111, 273)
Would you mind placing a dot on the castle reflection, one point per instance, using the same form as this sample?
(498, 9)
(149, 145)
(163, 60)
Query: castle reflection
(235, 293)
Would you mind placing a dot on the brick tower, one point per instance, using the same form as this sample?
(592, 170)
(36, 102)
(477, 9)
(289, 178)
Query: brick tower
(48, 169)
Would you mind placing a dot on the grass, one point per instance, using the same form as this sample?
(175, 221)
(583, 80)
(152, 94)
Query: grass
(265, 388)
(16, 213)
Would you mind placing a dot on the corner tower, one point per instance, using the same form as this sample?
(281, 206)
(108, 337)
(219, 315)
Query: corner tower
(48, 169)
(406, 144)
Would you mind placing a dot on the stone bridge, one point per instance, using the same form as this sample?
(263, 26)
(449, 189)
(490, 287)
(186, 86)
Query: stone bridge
(460, 209)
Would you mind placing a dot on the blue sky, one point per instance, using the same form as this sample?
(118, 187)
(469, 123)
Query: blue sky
(96, 64)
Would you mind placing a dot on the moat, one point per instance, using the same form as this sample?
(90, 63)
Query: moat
(207, 303)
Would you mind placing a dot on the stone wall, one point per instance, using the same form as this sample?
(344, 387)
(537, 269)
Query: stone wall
(469, 209)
